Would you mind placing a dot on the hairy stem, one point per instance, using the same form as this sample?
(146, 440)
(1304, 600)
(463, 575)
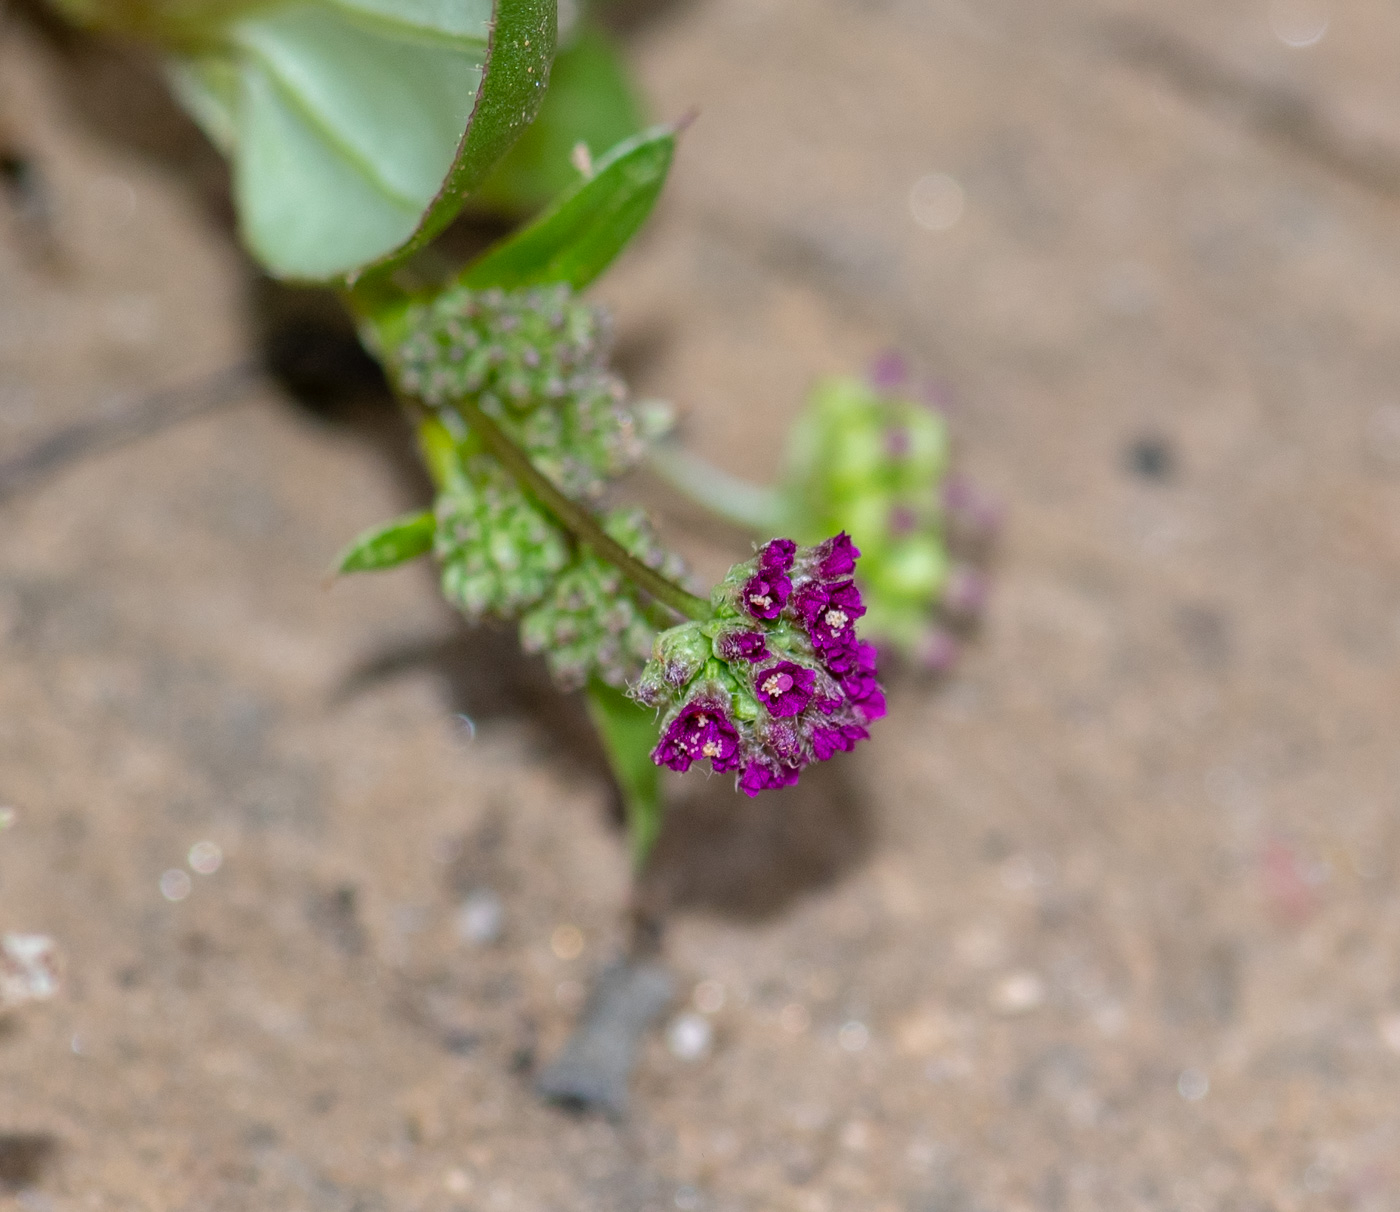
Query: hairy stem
(577, 520)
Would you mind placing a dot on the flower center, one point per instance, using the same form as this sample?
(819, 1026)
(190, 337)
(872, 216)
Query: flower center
(711, 749)
(778, 683)
(761, 599)
(836, 619)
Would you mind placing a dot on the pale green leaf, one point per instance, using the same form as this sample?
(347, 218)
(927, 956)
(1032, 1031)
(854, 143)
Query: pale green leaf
(390, 544)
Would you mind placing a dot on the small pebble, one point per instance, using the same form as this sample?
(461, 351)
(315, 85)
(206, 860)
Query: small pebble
(481, 918)
(1018, 993)
(28, 969)
(206, 857)
(689, 1036)
(1192, 1085)
(175, 884)
(853, 1036)
(566, 942)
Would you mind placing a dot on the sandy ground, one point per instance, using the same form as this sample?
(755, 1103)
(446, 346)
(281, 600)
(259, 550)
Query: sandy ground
(1109, 920)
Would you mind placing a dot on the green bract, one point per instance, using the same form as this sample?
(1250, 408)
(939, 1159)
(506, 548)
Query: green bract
(391, 544)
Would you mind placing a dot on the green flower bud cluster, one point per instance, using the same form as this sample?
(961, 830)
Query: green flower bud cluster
(499, 553)
(535, 361)
(874, 463)
(593, 623)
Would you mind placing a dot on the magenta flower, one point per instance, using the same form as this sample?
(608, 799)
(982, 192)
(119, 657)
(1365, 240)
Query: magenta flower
(836, 557)
(777, 556)
(786, 741)
(785, 688)
(828, 741)
(701, 730)
(830, 612)
(741, 646)
(863, 691)
(765, 774)
(766, 594)
(889, 371)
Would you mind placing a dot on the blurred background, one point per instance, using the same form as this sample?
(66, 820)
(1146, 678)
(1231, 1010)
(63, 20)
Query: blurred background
(1107, 919)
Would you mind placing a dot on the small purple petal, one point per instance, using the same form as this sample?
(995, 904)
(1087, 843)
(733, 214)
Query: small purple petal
(888, 371)
(783, 740)
(741, 646)
(966, 592)
(764, 774)
(785, 688)
(863, 692)
(830, 612)
(902, 520)
(937, 650)
(777, 555)
(827, 741)
(837, 557)
(766, 594)
(975, 514)
(872, 706)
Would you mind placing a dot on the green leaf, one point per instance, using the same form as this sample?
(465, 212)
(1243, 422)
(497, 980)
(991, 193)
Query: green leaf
(578, 237)
(357, 127)
(514, 86)
(591, 100)
(628, 733)
(391, 544)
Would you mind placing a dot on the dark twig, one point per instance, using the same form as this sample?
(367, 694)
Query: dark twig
(158, 411)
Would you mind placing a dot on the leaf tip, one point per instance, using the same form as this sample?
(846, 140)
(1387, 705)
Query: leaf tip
(686, 120)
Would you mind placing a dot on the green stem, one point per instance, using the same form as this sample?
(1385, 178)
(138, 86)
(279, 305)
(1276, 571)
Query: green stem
(582, 524)
(748, 506)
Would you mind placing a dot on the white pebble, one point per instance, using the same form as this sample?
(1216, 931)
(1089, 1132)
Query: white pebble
(1018, 993)
(689, 1036)
(1192, 1085)
(853, 1036)
(28, 969)
(206, 857)
(936, 201)
(175, 885)
(481, 918)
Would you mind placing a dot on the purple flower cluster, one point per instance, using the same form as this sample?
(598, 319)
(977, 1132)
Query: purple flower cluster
(778, 678)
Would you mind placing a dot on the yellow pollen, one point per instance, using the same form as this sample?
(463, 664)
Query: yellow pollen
(836, 619)
(761, 599)
(711, 749)
(773, 685)
(701, 720)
